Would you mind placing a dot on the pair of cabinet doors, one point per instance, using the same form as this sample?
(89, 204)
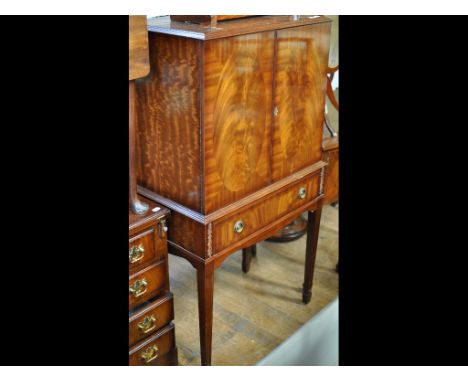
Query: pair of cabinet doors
(231, 115)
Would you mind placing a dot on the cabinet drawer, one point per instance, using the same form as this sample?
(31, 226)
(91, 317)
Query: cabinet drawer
(150, 318)
(147, 283)
(253, 217)
(148, 352)
(145, 247)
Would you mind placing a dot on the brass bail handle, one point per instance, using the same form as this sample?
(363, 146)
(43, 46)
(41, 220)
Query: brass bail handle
(138, 288)
(136, 253)
(147, 325)
(150, 354)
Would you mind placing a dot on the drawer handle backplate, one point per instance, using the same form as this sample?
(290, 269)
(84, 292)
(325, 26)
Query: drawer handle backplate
(136, 253)
(139, 288)
(147, 325)
(149, 354)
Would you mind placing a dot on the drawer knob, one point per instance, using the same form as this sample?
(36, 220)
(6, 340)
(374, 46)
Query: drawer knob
(138, 288)
(275, 111)
(302, 193)
(147, 325)
(149, 354)
(136, 253)
(238, 226)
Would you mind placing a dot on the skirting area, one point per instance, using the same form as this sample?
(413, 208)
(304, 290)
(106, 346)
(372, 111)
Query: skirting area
(255, 312)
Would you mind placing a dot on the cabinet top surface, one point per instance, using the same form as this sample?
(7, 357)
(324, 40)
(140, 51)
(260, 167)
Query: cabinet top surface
(230, 27)
(155, 212)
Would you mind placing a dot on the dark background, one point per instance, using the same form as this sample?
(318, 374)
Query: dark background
(65, 149)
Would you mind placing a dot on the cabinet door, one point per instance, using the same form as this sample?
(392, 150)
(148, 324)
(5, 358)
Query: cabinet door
(237, 116)
(299, 97)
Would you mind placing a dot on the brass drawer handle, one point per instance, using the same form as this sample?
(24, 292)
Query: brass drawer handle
(147, 325)
(302, 193)
(149, 354)
(136, 253)
(138, 288)
(238, 226)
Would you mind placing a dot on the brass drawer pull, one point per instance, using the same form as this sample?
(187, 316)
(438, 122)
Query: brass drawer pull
(138, 288)
(238, 226)
(149, 354)
(302, 193)
(147, 325)
(136, 253)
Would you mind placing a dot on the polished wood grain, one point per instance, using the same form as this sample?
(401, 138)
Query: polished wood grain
(158, 281)
(161, 309)
(155, 213)
(237, 117)
(135, 204)
(148, 232)
(205, 283)
(138, 64)
(302, 59)
(254, 197)
(331, 179)
(168, 121)
(163, 339)
(256, 216)
(155, 248)
(224, 121)
(254, 313)
(232, 27)
(188, 233)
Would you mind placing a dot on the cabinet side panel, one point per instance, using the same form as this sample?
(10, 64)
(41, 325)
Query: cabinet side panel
(168, 123)
(302, 60)
(237, 117)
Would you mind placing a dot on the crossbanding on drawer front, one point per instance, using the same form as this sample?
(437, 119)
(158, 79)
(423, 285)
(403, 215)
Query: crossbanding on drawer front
(149, 351)
(147, 283)
(247, 221)
(150, 318)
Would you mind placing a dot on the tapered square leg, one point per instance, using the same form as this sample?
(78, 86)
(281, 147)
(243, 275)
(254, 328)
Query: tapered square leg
(205, 281)
(313, 227)
(247, 254)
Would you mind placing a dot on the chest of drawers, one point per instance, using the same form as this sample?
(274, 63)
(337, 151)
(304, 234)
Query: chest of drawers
(229, 133)
(151, 309)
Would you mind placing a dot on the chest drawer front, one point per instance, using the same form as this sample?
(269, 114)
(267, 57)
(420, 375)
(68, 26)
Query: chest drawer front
(146, 247)
(150, 318)
(150, 351)
(147, 283)
(251, 218)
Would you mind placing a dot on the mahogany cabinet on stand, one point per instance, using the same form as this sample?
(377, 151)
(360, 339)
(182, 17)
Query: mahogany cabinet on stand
(229, 134)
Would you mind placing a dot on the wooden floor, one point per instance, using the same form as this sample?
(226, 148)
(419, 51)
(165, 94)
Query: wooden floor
(255, 312)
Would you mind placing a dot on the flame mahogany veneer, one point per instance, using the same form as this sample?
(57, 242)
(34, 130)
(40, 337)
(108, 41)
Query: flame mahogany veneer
(229, 133)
